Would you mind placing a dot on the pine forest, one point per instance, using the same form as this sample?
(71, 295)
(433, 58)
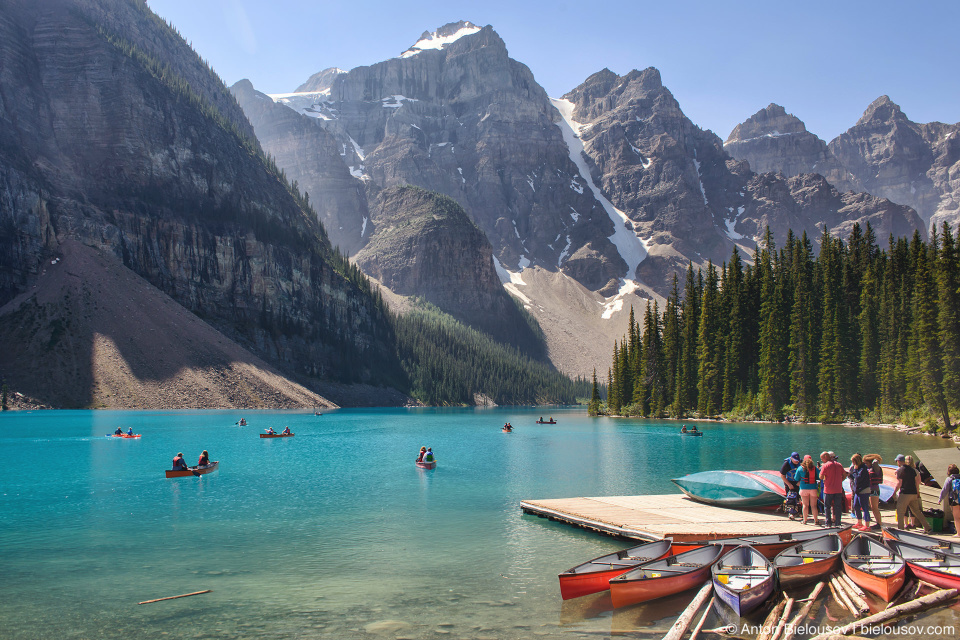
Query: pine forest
(856, 332)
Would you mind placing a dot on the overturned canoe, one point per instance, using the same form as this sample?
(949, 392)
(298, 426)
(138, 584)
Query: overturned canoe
(808, 561)
(594, 575)
(874, 566)
(664, 577)
(193, 471)
(743, 579)
(734, 489)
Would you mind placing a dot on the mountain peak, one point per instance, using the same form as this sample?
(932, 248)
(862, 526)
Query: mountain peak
(320, 81)
(883, 109)
(440, 38)
(772, 121)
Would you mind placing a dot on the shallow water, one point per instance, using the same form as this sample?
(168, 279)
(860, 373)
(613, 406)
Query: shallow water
(334, 533)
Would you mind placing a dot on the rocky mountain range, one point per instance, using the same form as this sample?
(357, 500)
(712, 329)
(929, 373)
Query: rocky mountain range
(610, 186)
(884, 154)
(115, 135)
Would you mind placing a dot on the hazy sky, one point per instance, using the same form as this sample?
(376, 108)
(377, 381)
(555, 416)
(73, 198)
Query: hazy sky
(723, 61)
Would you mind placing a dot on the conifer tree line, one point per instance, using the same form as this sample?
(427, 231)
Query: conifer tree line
(854, 332)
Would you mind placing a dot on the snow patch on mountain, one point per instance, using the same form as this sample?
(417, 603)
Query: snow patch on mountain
(436, 40)
(631, 247)
(615, 303)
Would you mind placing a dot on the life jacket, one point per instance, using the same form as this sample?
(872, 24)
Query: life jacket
(202, 461)
(428, 457)
(179, 463)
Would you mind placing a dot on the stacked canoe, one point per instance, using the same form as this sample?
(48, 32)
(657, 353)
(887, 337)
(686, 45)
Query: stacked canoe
(734, 489)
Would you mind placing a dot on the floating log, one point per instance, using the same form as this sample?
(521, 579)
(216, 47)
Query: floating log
(703, 618)
(680, 626)
(904, 609)
(852, 586)
(182, 595)
(792, 627)
(854, 599)
(907, 593)
(842, 599)
(783, 620)
(767, 629)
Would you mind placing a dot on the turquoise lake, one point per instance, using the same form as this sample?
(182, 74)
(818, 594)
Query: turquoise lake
(334, 533)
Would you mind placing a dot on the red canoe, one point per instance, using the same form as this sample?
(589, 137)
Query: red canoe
(809, 560)
(937, 568)
(277, 435)
(874, 566)
(114, 435)
(920, 540)
(427, 465)
(594, 575)
(193, 471)
(665, 577)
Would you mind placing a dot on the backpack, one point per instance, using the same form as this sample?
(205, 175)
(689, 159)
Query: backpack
(955, 489)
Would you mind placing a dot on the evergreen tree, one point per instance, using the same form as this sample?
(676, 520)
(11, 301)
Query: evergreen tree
(671, 347)
(709, 390)
(948, 294)
(801, 344)
(687, 384)
(735, 358)
(594, 408)
(927, 332)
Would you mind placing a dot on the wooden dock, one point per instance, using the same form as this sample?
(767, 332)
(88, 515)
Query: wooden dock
(660, 516)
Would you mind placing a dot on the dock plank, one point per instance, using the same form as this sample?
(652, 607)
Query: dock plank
(659, 516)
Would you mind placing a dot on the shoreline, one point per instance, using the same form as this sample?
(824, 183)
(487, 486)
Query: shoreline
(902, 428)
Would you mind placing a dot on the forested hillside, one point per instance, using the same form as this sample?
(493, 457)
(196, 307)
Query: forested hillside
(448, 363)
(856, 332)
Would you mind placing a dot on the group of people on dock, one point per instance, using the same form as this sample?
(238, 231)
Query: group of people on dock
(180, 464)
(426, 454)
(808, 483)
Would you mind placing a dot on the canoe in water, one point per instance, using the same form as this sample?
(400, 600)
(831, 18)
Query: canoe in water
(594, 575)
(427, 465)
(936, 567)
(666, 577)
(874, 566)
(920, 540)
(193, 471)
(808, 561)
(769, 544)
(733, 489)
(125, 435)
(743, 579)
(277, 435)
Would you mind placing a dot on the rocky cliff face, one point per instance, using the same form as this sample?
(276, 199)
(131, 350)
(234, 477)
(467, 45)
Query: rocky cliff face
(890, 156)
(456, 115)
(423, 245)
(884, 154)
(311, 158)
(104, 142)
(681, 191)
(772, 140)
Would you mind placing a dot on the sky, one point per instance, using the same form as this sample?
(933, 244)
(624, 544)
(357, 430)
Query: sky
(825, 62)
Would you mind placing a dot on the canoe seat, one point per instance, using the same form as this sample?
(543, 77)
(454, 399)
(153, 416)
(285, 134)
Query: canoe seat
(687, 564)
(871, 558)
(637, 558)
(814, 552)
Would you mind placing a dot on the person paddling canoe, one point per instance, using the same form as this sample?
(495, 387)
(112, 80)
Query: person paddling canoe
(179, 463)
